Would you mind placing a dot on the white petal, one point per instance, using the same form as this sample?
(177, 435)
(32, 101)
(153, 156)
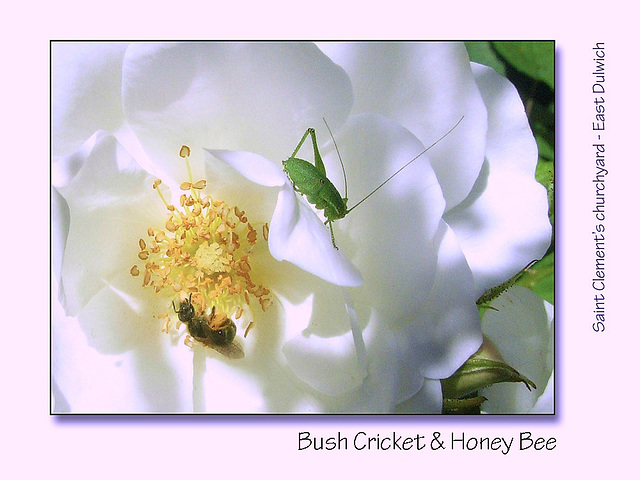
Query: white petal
(391, 237)
(437, 338)
(320, 347)
(522, 331)
(426, 87)
(111, 203)
(297, 235)
(333, 367)
(453, 331)
(427, 401)
(545, 404)
(113, 359)
(381, 388)
(259, 382)
(86, 85)
(253, 167)
(257, 97)
(504, 223)
(384, 380)
(59, 231)
(329, 365)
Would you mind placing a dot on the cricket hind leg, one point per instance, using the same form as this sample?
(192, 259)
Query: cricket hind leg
(333, 237)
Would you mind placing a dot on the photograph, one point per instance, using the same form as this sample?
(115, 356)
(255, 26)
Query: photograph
(300, 227)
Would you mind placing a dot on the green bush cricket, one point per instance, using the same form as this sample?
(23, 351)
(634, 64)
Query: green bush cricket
(311, 180)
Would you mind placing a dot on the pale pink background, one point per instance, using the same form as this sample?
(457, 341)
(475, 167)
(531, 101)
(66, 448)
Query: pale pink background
(596, 382)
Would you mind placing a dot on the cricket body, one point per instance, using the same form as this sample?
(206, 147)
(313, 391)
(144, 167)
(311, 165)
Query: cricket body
(311, 180)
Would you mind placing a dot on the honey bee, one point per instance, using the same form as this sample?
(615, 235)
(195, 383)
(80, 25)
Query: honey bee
(214, 331)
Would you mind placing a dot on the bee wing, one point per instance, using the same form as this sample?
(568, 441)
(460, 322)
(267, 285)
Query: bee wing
(232, 350)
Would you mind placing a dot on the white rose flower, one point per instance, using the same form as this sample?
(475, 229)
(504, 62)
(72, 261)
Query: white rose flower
(412, 259)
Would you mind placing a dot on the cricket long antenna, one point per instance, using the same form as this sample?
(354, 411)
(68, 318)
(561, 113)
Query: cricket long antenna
(344, 173)
(406, 164)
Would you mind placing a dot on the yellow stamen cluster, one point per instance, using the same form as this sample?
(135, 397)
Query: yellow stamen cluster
(204, 251)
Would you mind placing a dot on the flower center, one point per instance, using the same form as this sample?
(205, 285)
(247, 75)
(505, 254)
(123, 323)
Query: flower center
(203, 253)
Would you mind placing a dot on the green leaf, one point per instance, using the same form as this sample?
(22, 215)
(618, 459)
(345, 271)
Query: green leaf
(545, 173)
(483, 52)
(535, 59)
(542, 121)
(545, 149)
(540, 278)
